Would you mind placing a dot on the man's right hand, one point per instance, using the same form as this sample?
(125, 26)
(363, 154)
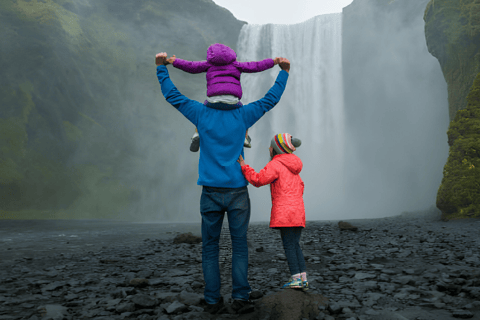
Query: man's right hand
(161, 58)
(284, 64)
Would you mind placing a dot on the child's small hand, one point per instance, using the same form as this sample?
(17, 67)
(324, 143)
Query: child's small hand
(276, 61)
(171, 59)
(240, 160)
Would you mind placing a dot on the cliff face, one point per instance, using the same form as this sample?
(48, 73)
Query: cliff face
(459, 193)
(84, 129)
(452, 31)
(396, 105)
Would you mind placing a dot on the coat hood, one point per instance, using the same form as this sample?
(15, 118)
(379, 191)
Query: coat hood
(219, 54)
(291, 161)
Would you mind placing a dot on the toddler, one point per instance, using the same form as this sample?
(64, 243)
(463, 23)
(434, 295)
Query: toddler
(223, 79)
(288, 211)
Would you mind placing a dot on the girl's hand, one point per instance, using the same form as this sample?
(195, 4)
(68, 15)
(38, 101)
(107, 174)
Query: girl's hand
(171, 59)
(276, 61)
(240, 160)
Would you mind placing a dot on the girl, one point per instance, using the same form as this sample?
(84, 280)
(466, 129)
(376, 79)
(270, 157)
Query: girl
(288, 211)
(223, 78)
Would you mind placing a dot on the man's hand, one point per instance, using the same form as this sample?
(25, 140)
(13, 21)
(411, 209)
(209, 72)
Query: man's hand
(161, 58)
(240, 160)
(284, 64)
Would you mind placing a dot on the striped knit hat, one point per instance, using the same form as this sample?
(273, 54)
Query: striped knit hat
(284, 143)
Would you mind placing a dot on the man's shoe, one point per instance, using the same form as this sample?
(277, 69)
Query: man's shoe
(195, 145)
(246, 143)
(215, 308)
(242, 306)
(293, 284)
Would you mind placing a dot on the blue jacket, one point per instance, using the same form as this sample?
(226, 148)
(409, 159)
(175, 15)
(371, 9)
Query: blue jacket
(222, 129)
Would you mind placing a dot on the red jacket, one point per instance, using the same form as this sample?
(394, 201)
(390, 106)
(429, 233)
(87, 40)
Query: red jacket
(286, 187)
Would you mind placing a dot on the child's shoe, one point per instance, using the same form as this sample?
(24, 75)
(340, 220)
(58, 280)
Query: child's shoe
(305, 285)
(293, 283)
(246, 143)
(303, 275)
(195, 145)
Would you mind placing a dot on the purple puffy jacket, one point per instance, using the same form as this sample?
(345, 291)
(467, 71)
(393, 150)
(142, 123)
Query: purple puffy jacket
(223, 70)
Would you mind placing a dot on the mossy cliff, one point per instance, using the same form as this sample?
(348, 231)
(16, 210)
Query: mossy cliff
(84, 129)
(459, 193)
(452, 31)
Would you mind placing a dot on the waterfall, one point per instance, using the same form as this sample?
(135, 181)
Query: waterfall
(311, 107)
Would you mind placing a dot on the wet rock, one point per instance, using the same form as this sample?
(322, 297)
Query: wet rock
(462, 314)
(187, 238)
(138, 283)
(346, 226)
(189, 298)
(143, 301)
(176, 307)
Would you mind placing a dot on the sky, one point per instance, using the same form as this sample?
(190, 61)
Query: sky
(280, 11)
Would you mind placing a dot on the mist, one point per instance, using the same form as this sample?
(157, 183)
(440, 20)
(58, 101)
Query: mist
(369, 104)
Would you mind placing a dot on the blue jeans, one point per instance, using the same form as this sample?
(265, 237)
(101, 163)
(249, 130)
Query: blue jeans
(291, 238)
(214, 203)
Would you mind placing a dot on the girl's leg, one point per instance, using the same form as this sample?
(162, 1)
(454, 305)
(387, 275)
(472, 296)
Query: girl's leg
(288, 239)
(195, 145)
(297, 231)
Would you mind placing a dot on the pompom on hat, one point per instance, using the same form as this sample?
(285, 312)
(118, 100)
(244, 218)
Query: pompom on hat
(284, 143)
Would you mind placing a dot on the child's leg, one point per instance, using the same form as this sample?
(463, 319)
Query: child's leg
(288, 238)
(246, 143)
(195, 145)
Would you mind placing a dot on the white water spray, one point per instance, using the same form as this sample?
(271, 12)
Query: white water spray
(311, 107)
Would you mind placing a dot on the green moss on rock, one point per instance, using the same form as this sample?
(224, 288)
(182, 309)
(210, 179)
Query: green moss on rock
(452, 31)
(459, 193)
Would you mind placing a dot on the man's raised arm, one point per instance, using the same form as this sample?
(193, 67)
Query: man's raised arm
(255, 110)
(189, 108)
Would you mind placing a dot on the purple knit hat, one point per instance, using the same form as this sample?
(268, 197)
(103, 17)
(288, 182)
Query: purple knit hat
(219, 54)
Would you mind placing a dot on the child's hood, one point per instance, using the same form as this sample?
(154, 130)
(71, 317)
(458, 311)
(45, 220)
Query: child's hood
(291, 161)
(219, 54)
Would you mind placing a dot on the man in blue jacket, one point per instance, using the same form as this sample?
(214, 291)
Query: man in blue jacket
(222, 130)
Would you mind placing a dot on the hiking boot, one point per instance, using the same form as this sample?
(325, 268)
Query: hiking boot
(195, 145)
(305, 286)
(293, 284)
(242, 306)
(246, 143)
(216, 308)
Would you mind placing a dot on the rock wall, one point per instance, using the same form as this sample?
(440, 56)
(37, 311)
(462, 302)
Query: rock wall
(452, 31)
(83, 124)
(459, 193)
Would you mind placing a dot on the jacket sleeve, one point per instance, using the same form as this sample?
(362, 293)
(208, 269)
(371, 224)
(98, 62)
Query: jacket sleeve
(255, 110)
(189, 108)
(191, 66)
(266, 176)
(255, 66)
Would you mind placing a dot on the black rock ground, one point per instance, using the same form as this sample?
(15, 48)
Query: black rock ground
(405, 267)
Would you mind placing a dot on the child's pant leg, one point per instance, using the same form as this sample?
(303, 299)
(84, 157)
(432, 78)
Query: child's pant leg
(293, 252)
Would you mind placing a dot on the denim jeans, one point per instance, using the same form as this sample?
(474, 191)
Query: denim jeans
(291, 238)
(214, 203)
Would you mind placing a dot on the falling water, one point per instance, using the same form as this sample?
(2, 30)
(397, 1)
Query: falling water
(311, 107)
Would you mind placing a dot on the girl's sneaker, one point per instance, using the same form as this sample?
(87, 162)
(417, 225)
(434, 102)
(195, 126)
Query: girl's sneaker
(195, 145)
(305, 286)
(247, 141)
(293, 284)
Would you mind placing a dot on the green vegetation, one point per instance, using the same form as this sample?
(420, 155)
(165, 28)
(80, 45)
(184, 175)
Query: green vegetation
(459, 193)
(82, 118)
(452, 31)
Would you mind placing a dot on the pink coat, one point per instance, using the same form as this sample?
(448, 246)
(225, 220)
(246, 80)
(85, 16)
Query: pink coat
(286, 186)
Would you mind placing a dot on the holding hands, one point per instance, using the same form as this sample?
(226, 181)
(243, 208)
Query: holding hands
(161, 58)
(240, 160)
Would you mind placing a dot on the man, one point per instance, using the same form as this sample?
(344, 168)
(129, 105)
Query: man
(222, 130)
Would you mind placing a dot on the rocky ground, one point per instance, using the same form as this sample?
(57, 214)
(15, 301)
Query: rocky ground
(405, 267)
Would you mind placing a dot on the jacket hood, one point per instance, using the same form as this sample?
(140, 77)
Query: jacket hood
(219, 54)
(291, 161)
